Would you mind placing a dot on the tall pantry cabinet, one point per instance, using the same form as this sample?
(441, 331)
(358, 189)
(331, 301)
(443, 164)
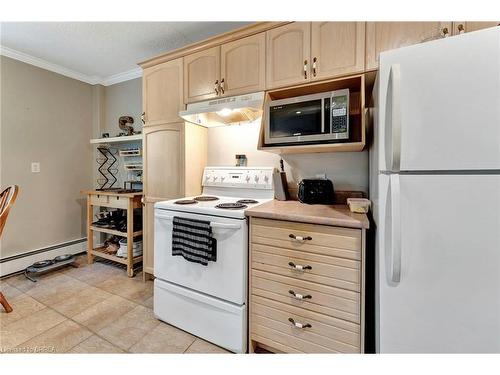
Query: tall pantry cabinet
(175, 152)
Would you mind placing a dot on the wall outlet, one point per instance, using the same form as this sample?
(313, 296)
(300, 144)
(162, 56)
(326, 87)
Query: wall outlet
(321, 175)
(35, 167)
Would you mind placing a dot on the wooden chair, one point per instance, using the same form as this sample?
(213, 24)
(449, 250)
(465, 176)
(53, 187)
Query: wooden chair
(7, 199)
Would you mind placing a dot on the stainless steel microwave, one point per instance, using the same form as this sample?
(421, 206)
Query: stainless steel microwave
(315, 118)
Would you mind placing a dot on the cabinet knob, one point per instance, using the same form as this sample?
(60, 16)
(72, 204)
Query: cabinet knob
(445, 32)
(143, 117)
(461, 28)
(305, 69)
(216, 87)
(314, 66)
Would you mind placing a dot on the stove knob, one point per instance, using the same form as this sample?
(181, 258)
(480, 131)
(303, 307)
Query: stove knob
(256, 178)
(266, 178)
(247, 178)
(207, 177)
(215, 178)
(222, 178)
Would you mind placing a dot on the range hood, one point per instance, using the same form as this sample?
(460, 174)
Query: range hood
(225, 111)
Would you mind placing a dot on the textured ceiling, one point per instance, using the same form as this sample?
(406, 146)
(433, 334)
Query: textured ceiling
(104, 49)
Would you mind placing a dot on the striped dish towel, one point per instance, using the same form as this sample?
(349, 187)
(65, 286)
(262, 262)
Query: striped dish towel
(192, 239)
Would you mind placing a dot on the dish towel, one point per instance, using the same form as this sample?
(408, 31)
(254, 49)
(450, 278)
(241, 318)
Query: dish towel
(192, 239)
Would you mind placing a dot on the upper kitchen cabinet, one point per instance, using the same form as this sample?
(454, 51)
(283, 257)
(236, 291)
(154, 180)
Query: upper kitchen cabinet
(288, 49)
(201, 71)
(460, 27)
(337, 48)
(383, 36)
(243, 65)
(162, 97)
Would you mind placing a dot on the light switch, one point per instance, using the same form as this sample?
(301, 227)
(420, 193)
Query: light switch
(35, 167)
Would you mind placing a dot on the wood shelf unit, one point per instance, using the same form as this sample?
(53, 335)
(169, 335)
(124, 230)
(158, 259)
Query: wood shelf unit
(101, 253)
(357, 116)
(110, 199)
(115, 232)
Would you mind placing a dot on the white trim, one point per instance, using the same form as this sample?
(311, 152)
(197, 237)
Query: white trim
(122, 77)
(20, 264)
(92, 80)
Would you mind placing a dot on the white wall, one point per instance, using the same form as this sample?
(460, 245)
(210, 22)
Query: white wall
(347, 170)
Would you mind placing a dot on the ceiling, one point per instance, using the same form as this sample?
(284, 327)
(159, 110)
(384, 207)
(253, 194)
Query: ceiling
(100, 52)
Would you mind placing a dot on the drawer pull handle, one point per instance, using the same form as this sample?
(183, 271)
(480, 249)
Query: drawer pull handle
(299, 267)
(299, 325)
(299, 296)
(299, 238)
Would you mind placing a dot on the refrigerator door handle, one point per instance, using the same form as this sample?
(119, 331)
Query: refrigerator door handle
(393, 125)
(396, 249)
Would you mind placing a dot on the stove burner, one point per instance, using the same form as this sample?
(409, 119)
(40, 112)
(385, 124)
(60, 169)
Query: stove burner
(205, 198)
(247, 201)
(231, 206)
(186, 201)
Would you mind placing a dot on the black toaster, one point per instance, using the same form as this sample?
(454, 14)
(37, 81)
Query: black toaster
(316, 191)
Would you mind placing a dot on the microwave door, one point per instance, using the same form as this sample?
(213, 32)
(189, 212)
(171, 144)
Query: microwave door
(295, 122)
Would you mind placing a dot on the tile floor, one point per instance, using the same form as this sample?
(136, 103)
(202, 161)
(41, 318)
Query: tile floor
(90, 309)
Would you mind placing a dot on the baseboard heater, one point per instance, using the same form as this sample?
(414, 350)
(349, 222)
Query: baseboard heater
(19, 262)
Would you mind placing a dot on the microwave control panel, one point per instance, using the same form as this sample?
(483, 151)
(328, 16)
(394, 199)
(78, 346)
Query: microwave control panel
(340, 112)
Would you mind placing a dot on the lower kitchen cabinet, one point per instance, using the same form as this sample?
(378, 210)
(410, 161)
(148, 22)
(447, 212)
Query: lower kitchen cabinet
(306, 287)
(148, 237)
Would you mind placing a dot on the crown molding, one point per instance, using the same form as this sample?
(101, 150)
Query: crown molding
(92, 80)
(122, 77)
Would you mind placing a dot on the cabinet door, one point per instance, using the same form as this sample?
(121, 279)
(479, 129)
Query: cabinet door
(201, 72)
(162, 93)
(243, 65)
(163, 161)
(383, 36)
(337, 48)
(148, 237)
(462, 26)
(287, 54)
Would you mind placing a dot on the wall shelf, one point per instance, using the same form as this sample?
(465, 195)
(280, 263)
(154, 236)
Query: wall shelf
(135, 137)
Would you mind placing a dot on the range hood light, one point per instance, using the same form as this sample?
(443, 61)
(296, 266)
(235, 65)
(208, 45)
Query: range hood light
(224, 112)
(231, 110)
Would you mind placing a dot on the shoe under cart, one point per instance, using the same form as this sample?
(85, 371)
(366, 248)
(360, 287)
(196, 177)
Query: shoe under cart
(113, 199)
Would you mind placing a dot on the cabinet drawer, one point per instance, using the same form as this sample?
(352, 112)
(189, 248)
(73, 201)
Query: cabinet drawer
(329, 304)
(345, 240)
(329, 274)
(99, 199)
(318, 338)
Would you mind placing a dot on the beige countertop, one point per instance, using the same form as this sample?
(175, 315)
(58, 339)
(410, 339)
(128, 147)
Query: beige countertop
(337, 215)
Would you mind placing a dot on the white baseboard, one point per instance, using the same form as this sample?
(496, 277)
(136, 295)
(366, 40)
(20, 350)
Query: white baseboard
(20, 263)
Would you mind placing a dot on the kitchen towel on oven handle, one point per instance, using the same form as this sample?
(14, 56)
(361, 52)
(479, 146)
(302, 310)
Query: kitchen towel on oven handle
(192, 239)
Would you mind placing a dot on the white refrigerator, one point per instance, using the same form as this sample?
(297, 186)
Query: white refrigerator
(435, 188)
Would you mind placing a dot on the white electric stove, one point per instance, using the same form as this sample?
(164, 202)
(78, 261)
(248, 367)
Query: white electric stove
(210, 301)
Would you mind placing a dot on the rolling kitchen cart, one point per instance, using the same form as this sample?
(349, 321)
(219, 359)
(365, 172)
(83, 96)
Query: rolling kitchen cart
(113, 199)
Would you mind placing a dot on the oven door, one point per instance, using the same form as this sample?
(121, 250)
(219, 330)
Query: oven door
(225, 278)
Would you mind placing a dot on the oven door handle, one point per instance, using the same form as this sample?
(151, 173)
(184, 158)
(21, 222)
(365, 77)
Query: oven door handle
(213, 224)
